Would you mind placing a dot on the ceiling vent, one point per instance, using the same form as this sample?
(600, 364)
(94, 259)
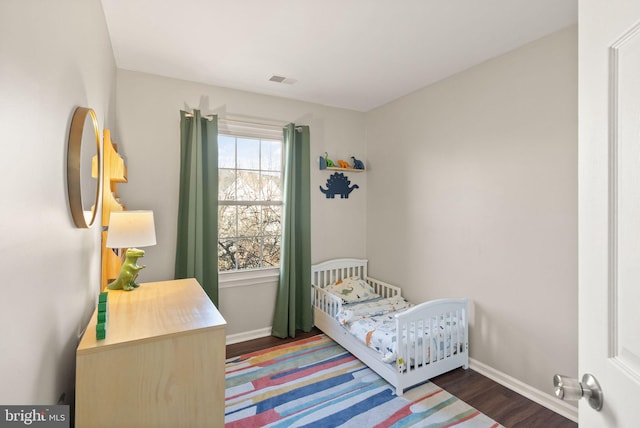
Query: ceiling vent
(282, 79)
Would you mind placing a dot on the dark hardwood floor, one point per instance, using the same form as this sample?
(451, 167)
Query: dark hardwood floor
(494, 400)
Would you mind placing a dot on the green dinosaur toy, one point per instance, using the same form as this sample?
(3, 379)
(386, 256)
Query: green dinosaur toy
(129, 272)
(329, 162)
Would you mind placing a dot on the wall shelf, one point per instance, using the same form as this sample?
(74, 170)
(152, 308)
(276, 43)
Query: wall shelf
(324, 165)
(334, 168)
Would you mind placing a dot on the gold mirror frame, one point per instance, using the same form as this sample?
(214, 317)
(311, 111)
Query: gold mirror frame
(75, 164)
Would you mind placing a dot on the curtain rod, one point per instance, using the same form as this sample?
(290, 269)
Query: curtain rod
(209, 117)
(245, 122)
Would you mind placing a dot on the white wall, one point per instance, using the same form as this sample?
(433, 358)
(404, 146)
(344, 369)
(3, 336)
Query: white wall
(472, 191)
(54, 56)
(148, 134)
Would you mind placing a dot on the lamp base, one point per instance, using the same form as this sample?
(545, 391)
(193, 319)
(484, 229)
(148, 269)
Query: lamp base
(126, 279)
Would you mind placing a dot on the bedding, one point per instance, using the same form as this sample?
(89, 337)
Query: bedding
(369, 308)
(373, 323)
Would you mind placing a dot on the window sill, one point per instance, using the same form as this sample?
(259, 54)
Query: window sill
(248, 278)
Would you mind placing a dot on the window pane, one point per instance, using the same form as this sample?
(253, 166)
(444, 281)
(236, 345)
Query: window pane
(248, 185)
(250, 172)
(248, 153)
(271, 186)
(227, 221)
(226, 254)
(226, 151)
(271, 220)
(248, 255)
(249, 220)
(226, 185)
(271, 251)
(271, 155)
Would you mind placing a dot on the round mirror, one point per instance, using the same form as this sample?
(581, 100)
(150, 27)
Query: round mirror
(83, 167)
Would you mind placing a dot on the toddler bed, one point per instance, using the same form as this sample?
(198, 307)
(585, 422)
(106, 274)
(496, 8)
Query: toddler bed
(405, 344)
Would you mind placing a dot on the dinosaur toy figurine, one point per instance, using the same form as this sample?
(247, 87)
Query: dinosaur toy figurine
(343, 164)
(328, 161)
(357, 164)
(129, 272)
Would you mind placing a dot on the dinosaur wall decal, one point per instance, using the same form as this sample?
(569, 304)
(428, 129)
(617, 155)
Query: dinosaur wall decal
(338, 184)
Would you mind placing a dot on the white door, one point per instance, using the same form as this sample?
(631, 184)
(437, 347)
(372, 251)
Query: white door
(609, 208)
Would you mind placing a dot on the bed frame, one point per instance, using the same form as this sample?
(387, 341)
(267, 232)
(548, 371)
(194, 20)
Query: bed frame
(400, 375)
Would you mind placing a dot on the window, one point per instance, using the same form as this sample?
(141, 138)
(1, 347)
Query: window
(249, 202)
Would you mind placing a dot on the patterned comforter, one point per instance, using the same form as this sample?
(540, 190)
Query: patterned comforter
(373, 323)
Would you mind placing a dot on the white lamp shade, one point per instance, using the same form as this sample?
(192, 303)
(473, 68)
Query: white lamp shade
(131, 229)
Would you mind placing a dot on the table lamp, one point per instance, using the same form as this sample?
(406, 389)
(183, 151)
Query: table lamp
(130, 230)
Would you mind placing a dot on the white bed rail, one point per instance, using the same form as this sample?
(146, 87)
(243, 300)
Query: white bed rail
(445, 320)
(331, 271)
(383, 289)
(332, 304)
(326, 302)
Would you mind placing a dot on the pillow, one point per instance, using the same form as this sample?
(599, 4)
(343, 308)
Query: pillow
(352, 290)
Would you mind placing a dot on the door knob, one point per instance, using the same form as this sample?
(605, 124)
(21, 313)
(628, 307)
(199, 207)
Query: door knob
(570, 389)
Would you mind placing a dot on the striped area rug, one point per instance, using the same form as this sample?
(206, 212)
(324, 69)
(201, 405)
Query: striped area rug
(316, 383)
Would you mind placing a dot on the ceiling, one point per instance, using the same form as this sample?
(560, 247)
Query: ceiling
(354, 54)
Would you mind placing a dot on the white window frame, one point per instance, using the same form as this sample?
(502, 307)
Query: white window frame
(257, 276)
(248, 277)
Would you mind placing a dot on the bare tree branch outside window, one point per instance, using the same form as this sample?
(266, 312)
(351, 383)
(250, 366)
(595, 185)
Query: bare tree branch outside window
(249, 203)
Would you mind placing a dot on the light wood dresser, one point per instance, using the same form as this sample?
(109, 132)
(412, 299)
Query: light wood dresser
(161, 363)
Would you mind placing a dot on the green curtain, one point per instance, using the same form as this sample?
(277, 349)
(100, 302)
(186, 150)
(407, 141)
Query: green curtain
(197, 243)
(293, 300)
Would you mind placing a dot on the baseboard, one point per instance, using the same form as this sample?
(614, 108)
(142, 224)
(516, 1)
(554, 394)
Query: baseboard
(248, 335)
(561, 407)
